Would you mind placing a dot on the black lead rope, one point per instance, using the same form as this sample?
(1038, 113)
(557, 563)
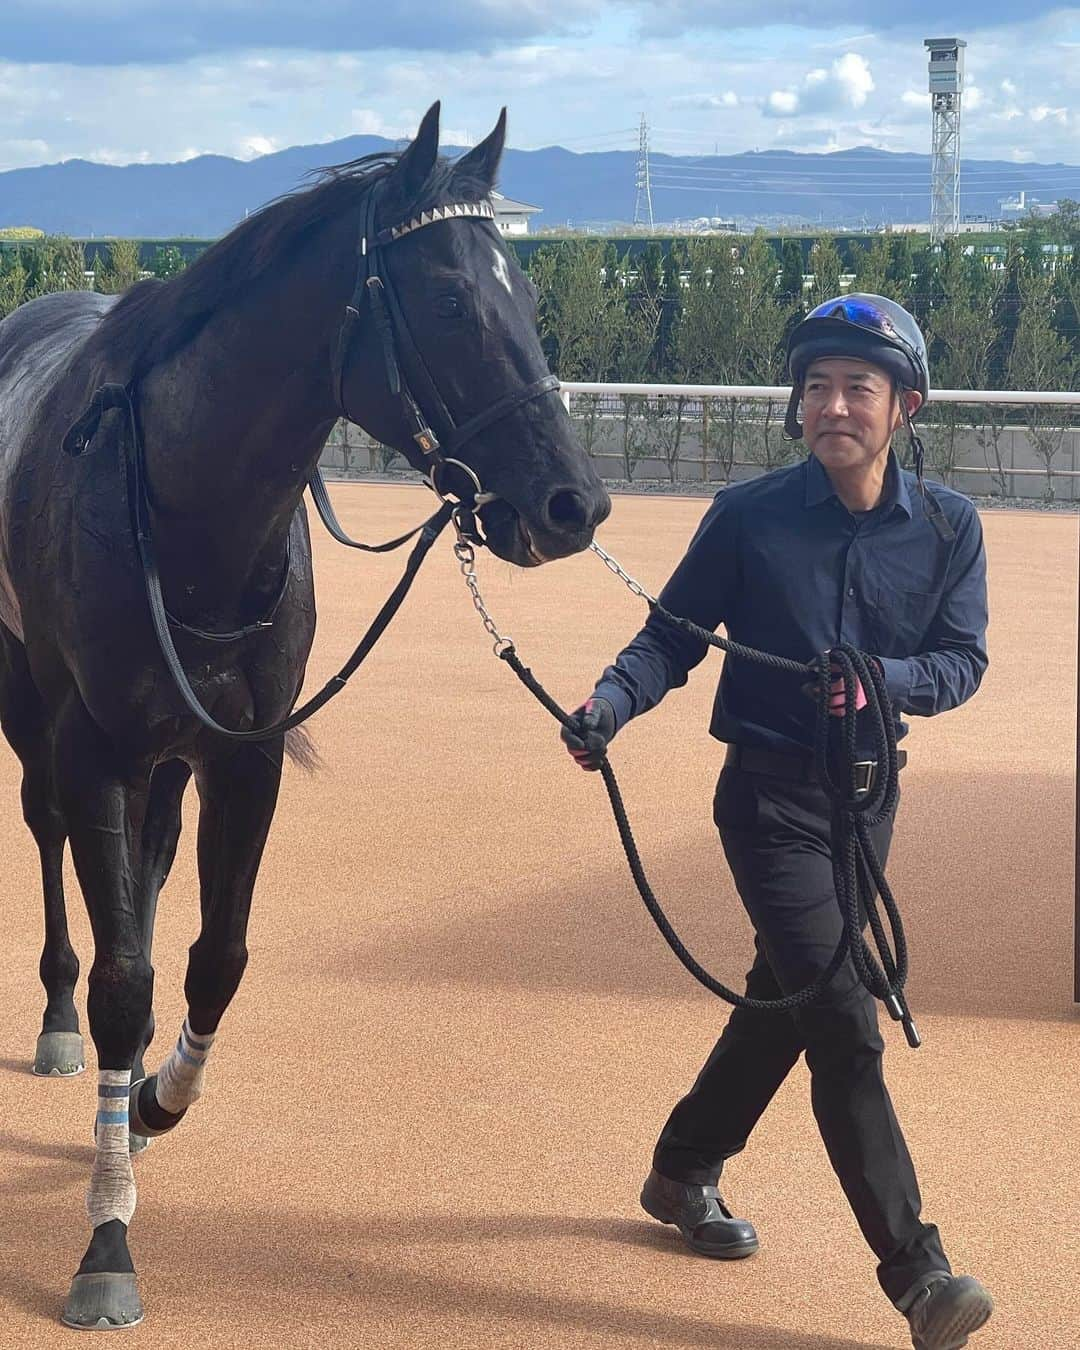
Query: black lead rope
(858, 875)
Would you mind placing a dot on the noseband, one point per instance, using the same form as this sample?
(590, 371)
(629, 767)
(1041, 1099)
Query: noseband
(375, 286)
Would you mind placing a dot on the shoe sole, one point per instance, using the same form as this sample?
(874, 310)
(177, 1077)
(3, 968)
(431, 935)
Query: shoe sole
(732, 1251)
(971, 1311)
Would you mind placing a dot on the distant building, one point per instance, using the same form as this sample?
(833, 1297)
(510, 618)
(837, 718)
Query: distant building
(923, 227)
(512, 217)
(1023, 205)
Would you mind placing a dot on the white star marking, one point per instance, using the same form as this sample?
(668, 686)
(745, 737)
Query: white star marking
(502, 272)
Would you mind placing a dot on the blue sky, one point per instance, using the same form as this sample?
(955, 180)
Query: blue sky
(121, 82)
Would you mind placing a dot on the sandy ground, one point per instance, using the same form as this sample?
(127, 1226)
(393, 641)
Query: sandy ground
(430, 1108)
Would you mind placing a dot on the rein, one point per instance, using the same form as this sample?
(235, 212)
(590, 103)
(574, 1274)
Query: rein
(857, 872)
(375, 285)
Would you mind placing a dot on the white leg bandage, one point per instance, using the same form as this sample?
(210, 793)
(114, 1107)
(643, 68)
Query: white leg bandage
(112, 1182)
(180, 1078)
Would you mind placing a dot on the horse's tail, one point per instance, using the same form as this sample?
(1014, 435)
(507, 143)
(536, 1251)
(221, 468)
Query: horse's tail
(302, 750)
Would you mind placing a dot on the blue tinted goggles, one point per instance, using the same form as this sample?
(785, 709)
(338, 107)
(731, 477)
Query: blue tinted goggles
(866, 315)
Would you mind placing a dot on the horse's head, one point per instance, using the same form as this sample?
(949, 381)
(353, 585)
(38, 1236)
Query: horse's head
(450, 310)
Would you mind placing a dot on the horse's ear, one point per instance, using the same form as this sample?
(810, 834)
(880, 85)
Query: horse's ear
(414, 167)
(480, 167)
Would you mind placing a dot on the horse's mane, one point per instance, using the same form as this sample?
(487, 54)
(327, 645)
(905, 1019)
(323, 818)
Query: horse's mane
(155, 319)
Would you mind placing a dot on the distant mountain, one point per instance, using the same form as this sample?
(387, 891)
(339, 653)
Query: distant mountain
(205, 197)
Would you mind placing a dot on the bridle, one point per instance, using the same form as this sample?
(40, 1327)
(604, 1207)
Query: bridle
(375, 287)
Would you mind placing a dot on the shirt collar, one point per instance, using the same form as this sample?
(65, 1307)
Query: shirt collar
(819, 486)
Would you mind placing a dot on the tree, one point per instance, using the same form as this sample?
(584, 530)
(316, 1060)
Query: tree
(762, 318)
(12, 282)
(825, 267)
(1041, 360)
(961, 334)
(871, 265)
(582, 315)
(791, 273)
(706, 342)
(121, 270)
(167, 262)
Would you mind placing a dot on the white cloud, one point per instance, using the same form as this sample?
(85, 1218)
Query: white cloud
(852, 73)
(253, 146)
(847, 83)
(586, 93)
(31, 150)
(728, 99)
(783, 101)
(1042, 112)
(369, 122)
(106, 155)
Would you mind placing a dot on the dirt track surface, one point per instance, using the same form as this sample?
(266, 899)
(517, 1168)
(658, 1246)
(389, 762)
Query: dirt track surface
(431, 1106)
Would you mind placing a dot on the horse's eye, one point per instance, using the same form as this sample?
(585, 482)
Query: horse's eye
(449, 307)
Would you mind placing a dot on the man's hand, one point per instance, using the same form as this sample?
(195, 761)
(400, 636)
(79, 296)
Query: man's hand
(837, 700)
(594, 726)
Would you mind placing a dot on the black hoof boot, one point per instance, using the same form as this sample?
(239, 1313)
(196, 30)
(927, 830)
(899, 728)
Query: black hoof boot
(103, 1294)
(145, 1118)
(700, 1215)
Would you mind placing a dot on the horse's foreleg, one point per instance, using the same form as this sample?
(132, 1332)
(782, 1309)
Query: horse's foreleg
(25, 724)
(103, 803)
(60, 1044)
(160, 835)
(238, 793)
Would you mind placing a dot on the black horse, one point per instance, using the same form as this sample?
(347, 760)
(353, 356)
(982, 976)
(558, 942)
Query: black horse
(236, 371)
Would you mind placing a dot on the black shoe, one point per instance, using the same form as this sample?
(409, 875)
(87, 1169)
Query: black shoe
(700, 1215)
(945, 1310)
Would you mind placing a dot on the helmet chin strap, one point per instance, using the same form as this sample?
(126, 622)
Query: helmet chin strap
(936, 515)
(792, 426)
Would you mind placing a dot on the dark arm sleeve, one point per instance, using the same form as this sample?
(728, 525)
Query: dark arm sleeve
(951, 667)
(702, 589)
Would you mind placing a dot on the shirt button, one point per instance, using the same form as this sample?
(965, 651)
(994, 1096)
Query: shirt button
(851, 590)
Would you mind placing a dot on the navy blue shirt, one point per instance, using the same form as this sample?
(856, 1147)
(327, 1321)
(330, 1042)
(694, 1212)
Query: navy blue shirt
(783, 564)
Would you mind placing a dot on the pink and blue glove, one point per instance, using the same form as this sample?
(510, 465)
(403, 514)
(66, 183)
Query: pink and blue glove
(594, 726)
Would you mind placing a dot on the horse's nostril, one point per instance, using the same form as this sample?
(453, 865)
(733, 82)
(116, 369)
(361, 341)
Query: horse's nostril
(567, 511)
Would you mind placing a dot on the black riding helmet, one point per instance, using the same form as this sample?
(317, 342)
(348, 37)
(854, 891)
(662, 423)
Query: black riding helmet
(868, 327)
(874, 329)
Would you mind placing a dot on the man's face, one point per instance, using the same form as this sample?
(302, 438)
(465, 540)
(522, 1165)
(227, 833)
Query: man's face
(850, 411)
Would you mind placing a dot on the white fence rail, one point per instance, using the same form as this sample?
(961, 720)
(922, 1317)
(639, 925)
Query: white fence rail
(1004, 442)
(990, 442)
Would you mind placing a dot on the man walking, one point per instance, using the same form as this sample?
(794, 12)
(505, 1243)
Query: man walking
(843, 547)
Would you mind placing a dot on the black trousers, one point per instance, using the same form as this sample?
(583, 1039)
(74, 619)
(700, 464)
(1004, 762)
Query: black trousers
(776, 835)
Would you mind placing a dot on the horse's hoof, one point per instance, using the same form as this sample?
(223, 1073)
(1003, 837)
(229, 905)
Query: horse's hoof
(102, 1302)
(59, 1054)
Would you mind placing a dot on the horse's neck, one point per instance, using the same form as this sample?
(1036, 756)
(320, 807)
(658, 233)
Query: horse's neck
(234, 422)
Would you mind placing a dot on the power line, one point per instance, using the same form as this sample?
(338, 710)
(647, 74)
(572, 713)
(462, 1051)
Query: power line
(837, 171)
(675, 185)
